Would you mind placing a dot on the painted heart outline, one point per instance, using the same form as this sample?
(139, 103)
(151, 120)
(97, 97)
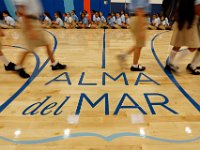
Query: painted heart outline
(113, 136)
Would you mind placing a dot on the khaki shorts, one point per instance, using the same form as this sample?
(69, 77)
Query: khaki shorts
(39, 33)
(139, 31)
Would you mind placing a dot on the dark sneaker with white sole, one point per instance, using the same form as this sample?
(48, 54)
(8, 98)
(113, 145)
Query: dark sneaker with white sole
(139, 68)
(58, 66)
(22, 73)
(10, 67)
(171, 67)
(192, 71)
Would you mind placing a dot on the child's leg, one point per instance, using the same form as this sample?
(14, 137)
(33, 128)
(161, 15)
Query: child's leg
(194, 66)
(50, 54)
(196, 60)
(183, 53)
(136, 55)
(171, 65)
(55, 65)
(3, 58)
(131, 50)
(9, 66)
(19, 69)
(22, 60)
(173, 54)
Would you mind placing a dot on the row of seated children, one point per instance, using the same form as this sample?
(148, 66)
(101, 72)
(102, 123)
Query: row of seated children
(96, 21)
(7, 21)
(160, 22)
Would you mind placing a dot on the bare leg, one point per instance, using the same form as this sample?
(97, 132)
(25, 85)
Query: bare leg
(131, 50)
(4, 59)
(23, 58)
(50, 54)
(20, 70)
(136, 56)
(1, 53)
(55, 65)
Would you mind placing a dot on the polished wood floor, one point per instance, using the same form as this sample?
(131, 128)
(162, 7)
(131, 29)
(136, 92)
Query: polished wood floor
(83, 51)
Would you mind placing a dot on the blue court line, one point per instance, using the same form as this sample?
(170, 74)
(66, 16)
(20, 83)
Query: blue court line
(171, 76)
(104, 50)
(106, 138)
(35, 73)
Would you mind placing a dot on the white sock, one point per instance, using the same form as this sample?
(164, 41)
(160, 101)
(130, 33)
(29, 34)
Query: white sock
(18, 67)
(181, 55)
(4, 60)
(135, 66)
(196, 60)
(172, 56)
(54, 64)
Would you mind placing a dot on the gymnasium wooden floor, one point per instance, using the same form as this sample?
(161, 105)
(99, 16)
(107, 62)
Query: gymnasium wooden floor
(86, 107)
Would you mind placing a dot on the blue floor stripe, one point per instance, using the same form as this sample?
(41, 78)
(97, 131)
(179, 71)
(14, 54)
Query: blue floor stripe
(104, 51)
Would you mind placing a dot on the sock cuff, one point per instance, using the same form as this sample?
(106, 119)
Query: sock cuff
(55, 63)
(18, 67)
(173, 51)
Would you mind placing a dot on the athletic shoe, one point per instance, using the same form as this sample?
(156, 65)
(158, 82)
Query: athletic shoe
(23, 74)
(171, 67)
(10, 67)
(139, 68)
(58, 66)
(192, 71)
(198, 67)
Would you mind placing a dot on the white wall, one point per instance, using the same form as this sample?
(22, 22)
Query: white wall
(128, 1)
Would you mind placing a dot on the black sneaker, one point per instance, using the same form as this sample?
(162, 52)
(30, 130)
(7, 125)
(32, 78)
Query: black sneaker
(58, 66)
(10, 67)
(23, 74)
(198, 67)
(171, 67)
(192, 71)
(139, 68)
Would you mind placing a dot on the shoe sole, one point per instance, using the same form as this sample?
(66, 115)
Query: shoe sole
(60, 68)
(191, 72)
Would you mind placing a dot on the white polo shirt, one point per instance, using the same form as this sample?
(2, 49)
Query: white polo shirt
(68, 19)
(9, 21)
(103, 20)
(47, 19)
(128, 21)
(118, 21)
(123, 18)
(59, 22)
(157, 22)
(96, 19)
